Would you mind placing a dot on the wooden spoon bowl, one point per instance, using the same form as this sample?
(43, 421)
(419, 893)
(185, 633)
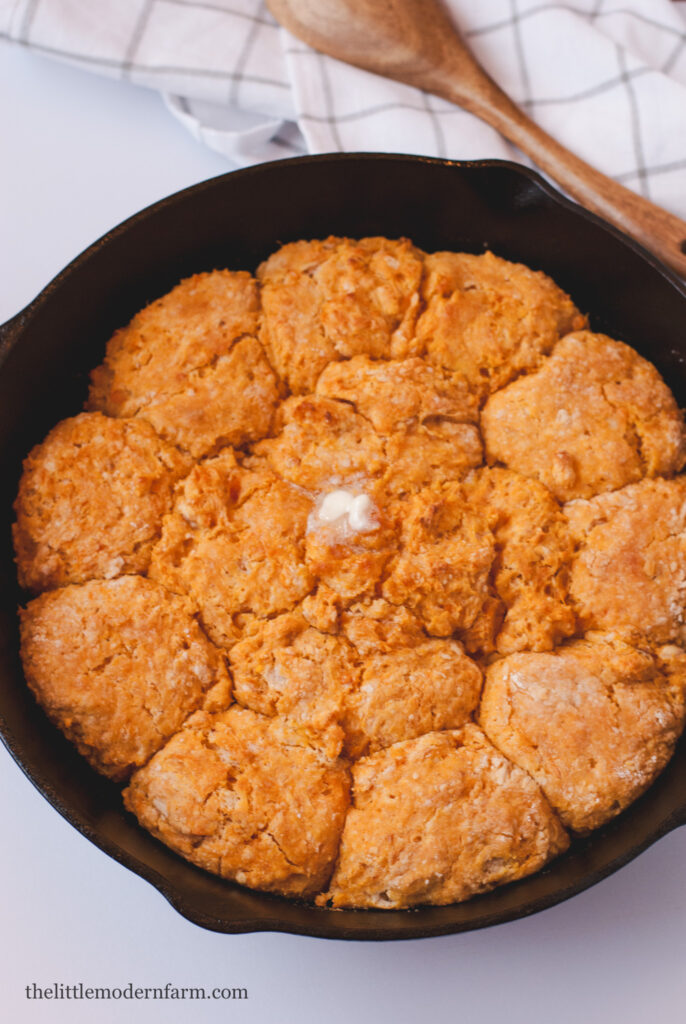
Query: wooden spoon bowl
(415, 42)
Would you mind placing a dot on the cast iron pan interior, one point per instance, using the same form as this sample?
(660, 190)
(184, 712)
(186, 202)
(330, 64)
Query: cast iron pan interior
(235, 221)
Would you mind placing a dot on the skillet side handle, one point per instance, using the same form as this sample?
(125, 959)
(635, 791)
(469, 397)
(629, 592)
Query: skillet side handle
(678, 819)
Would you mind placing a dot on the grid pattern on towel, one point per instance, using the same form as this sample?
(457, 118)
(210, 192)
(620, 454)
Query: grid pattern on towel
(606, 77)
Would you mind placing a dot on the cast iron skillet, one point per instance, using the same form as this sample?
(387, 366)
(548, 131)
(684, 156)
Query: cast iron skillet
(235, 221)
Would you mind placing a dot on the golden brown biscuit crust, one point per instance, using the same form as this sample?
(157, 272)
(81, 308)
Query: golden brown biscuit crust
(321, 444)
(630, 569)
(190, 363)
(196, 323)
(593, 722)
(397, 393)
(488, 319)
(231, 402)
(594, 417)
(91, 501)
(425, 417)
(235, 543)
(438, 819)
(403, 683)
(333, 299)
(236, 794)
(408, 684)
(375, 681)
(530, 573)
(284, 667)
(119, 665)
(442, 569)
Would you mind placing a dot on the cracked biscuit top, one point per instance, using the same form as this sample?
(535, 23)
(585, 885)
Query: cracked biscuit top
(438, 819)
(235, 543)
(333, 299)
(426, 416)
(593, 722)
(630, 569)
(236, 793)
(594, 417)
(191, 365)
(367, 572)
(91, 500)
(119, 665)
(488, 319)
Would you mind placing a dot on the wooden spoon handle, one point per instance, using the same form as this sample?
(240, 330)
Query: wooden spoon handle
(662, 233)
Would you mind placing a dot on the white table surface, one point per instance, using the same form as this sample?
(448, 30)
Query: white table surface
(78, 154)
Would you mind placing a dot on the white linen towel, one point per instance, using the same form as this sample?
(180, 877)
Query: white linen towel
(605, 77)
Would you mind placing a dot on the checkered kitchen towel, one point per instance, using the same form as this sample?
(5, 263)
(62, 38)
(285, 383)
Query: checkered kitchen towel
(605, 77)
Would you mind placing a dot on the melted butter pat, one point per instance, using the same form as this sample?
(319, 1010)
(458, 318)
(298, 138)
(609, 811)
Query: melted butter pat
(356, 509)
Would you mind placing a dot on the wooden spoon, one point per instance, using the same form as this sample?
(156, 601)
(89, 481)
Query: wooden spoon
(414, 41)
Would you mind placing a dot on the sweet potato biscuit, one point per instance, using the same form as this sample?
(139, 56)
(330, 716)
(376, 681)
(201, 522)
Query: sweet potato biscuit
(91, 501)
(438, 819)
(185, 330)
(396, 393)
(235, 544)
(233, 401)
(191, 365)
(236, 795)
(321, 444)
(408, 684)
(594, 417)
(373, 626)
(630, 570)
(429, 453)
(534, 547)
(490, 320)
(593, 723)
(332, 299)
(285, 667)
(119, 665)
(442, 569)
(425, 415)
